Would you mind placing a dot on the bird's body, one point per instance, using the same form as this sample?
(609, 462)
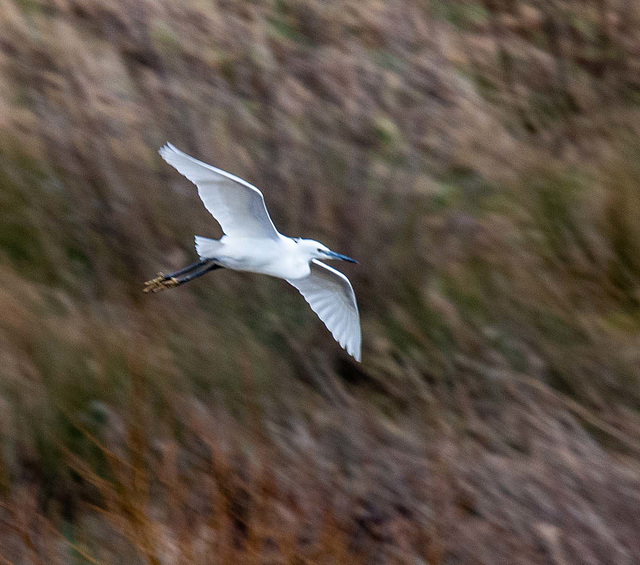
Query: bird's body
(282, 257)
(251, 243)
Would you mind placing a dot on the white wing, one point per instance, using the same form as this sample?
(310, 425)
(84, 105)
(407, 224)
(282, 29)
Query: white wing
(331, 296)
(237, 205)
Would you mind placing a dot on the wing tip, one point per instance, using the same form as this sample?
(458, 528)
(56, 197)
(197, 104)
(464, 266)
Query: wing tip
(167, 149)
(355, 351)
(352, 347)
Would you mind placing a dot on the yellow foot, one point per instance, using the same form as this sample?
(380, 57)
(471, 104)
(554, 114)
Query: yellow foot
(160, 283)
(155, 281)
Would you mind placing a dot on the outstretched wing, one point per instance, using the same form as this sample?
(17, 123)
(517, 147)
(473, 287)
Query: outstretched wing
(237, 205)
(331, 297)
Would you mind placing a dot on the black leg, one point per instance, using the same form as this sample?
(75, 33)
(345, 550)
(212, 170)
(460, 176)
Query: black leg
(161, 278)
(162, 282)
(197, 273)
(187, 269)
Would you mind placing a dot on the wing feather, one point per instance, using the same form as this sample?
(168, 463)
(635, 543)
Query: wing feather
(237, 205)
(331, 297)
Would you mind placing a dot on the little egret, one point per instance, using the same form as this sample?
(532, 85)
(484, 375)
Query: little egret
(252, 243)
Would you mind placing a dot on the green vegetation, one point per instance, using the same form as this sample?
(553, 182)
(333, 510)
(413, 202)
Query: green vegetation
(480, 159)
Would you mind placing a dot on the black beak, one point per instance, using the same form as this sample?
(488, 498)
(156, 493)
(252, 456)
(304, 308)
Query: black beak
(334, 255)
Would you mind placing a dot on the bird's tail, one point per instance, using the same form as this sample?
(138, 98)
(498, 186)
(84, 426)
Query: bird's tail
(207, 248)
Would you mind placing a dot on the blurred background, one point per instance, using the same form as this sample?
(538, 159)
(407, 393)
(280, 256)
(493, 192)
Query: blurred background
(480, 159)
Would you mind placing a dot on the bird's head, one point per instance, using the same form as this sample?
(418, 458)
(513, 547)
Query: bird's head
(317, 250)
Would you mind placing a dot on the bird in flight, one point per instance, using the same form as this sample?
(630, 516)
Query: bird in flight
(252, 243)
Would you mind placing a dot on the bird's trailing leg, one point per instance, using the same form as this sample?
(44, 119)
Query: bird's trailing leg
(162, 281)
(210, 266)
(155, 283)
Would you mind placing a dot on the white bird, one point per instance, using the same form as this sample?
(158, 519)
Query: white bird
(252, 243)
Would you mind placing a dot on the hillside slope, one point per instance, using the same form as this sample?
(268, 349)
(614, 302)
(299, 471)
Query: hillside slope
(480, 160)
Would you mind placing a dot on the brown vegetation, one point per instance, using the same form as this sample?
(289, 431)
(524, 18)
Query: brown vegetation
(480, 159)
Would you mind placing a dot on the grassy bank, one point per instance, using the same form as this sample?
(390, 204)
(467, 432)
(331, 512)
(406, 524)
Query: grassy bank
(480, 160)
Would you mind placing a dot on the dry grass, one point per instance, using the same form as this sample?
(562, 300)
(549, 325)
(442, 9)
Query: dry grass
(479, 158)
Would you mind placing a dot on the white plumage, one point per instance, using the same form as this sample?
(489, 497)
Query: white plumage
(331, 297)
(252, 243)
